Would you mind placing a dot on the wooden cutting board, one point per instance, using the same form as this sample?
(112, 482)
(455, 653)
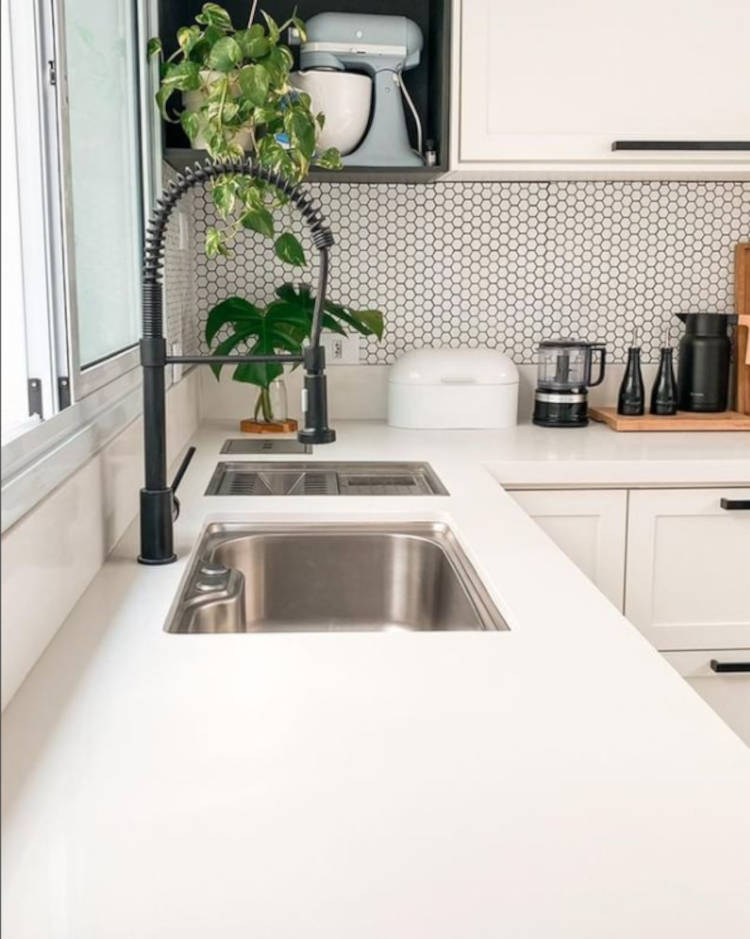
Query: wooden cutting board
(682, 420)
(742, 335)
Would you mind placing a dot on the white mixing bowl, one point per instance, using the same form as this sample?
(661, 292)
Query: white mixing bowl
(345, 99)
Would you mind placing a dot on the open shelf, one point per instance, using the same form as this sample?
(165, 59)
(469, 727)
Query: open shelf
(428, 84)
(180, 157)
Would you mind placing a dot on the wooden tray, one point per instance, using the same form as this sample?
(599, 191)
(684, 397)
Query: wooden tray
(682, 420)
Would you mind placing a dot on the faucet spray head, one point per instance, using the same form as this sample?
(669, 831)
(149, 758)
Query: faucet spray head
(315, 399)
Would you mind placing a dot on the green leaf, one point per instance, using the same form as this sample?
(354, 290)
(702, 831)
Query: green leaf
(290, 250)
(372, 320)
(214, 242)
(258, 219)
(272, 26)
(300, 126)
(183, 76)
(162, 96)
(190, 124)
(300, 27)
(187, 37)
(254, 83)
(278, 65)
(253, 42)
(214, 15)
(154, 47)
(258, 373)
(283, 313)
(230, 343)
(223, 196)
(329, 159)
(241, 314)
(366, 322)
(224, 55)
(273, 156)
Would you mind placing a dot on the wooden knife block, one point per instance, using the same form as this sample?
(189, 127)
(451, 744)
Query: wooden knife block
(742, 334)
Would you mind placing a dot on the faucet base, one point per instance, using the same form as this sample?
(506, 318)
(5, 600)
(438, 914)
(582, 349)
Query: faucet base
(157, 509)
(152, 563)
(312, 435)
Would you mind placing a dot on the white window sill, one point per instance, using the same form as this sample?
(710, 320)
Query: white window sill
(39, 460)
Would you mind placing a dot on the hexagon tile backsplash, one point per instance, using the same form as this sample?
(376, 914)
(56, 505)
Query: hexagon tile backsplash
(507, 264)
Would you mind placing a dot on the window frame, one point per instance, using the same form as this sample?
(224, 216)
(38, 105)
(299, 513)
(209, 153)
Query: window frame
(106, 396)
(85, 379)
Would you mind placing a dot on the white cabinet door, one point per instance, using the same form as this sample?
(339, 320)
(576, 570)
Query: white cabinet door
(589, 526)
(725, 686)
(688, 568)
(559, 81)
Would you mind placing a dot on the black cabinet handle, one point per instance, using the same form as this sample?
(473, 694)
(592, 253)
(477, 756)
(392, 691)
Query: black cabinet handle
(681, 145)
(735, 505)
(717, 666)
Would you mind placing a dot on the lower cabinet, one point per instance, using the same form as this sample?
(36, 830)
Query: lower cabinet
(589, 526)
(687, 582)
(677, 563)
(722, 679)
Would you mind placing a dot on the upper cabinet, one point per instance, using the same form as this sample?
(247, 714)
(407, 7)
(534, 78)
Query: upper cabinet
(603, 88)
(398, 119)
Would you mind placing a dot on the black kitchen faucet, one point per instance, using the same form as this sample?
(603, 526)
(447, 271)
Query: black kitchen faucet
(159, 506)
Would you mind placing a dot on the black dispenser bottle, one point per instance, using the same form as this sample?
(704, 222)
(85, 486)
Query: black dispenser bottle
(631, 399)
(703, 367)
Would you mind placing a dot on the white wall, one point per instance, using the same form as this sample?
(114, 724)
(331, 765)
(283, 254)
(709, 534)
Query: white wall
(51, 555)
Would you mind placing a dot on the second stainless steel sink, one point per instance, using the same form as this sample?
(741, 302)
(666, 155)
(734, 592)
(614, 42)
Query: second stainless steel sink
(331, 577)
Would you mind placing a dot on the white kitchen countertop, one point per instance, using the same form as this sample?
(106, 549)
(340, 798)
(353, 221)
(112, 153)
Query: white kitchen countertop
(557, 780)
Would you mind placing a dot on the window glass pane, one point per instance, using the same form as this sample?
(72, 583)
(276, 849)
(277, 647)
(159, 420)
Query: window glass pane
(103, 179)
(14, 398)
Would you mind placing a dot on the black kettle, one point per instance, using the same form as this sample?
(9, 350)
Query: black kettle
(703, 368)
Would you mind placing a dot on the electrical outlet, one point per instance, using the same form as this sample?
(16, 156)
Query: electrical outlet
(341, 350)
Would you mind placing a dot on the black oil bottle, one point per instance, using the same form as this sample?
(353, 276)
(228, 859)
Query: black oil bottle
(631, 399)
(664, 392)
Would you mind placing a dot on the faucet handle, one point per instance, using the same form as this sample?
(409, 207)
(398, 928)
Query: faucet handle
(178, 479)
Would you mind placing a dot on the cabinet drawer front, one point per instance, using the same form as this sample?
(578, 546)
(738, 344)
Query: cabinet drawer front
(728, 693)
(688, 568)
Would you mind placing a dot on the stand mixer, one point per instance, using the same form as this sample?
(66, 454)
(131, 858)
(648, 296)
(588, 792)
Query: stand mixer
(347, 55)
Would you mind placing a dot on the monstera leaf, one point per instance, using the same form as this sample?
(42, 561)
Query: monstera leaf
(280, 327)
(336, 316)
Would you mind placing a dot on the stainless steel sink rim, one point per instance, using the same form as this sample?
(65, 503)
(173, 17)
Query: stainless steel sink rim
(288, 478)
(208, 585)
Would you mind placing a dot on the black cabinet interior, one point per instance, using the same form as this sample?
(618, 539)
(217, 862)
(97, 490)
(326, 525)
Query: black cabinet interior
(428, 84)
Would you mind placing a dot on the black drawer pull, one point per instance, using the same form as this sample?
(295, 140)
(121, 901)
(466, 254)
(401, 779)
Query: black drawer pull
(735, 505)
(717, 666)
(681, 145)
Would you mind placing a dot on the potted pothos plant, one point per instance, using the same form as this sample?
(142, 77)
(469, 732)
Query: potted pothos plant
(283, 325)
(237, 98)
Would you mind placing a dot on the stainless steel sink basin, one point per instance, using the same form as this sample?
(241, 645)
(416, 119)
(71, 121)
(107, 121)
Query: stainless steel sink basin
(331, 577)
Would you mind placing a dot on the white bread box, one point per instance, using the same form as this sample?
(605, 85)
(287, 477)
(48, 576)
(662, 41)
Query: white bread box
(453, 388)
